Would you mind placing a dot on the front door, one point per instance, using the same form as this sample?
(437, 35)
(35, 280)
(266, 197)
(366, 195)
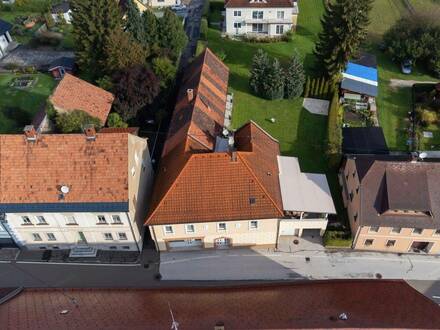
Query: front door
(222, 243)
(82, 238)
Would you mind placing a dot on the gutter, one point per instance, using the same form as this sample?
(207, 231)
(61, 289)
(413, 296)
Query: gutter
(132, 231)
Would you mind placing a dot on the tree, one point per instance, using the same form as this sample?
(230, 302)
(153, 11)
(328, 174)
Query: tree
(272, 83)
(134, 88)
(334, 131)
(260, 63)
(151, 34)
(74, 121)
(92, 22)
(344, 28)
(134, 23)
(307, 87)
(165, 70)
(122, 51)
(172, 36)
(114, 120)
(294, 78)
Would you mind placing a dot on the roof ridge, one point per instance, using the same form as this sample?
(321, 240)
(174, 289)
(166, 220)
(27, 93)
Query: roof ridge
(258, 181)
(207, 49)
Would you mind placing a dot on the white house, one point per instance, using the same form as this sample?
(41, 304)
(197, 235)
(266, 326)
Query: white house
(82, 192)
(260, 17)
(145, 4)
(62, 9)
(5, 38)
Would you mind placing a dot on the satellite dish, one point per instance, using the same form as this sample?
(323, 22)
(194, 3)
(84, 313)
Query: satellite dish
(65, 189)
(423, 155)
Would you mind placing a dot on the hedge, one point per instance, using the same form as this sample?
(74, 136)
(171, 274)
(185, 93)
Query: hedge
(334, 131)
(337, 239)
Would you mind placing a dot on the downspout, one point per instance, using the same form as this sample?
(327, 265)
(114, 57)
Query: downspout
(132, 232)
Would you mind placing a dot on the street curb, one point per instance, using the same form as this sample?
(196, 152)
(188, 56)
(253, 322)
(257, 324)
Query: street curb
(76, 264)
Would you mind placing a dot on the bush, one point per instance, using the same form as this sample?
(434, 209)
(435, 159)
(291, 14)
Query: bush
(337, 239)
(334, 132)
(165, 70)
(429, 117)
(114, 120)
(204, 29)
(74, 122)
(206, 9)
(261, 39)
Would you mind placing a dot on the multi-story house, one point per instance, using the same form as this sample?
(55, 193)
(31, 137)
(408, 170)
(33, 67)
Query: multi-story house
(145, 4)
(219, 188)
(75, 191)
(393, 205)
(260, 17)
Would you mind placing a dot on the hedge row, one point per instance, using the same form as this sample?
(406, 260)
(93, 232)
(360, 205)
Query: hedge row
(334, 131)
(319, 88)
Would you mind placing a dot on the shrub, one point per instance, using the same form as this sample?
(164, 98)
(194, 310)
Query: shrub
(334, 132)
(165, 70)
(429, 117)
(114, 120)
(307, 87)
(204, 29)
(74, 122)
(337, 238)
(206, 9)
(50, 22)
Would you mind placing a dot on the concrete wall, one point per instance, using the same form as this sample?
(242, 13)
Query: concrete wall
(288, 227)
(239, 232)
(270, 20)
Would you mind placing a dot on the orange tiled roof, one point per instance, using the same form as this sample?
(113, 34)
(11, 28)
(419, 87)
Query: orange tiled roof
(95, 171)
(222, 186)
(73, 93)
(131, 130)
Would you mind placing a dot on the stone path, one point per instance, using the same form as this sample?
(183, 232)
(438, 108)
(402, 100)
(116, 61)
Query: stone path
(397, 83)
(316, 106)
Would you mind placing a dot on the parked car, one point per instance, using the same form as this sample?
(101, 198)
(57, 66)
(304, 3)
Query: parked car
(407, 67)
(178, 7)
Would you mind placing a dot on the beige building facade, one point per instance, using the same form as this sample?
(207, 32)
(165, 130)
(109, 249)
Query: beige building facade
(400, 231)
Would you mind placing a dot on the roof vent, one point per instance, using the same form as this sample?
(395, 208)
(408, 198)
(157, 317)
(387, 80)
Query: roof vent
(30, 133)
(65, 189)
(219, 326)
(190, 94)
(90, 132)
(343, 316)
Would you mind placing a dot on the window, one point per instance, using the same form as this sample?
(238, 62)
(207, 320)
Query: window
(41, 220)
(237, 13)
(280, 14)
(237, 25)
(391, 242)
(252, 200)
(221, 226)
(357, 190)
(417, 231)
(126, 247)
(168, 229)
(51, 237)
(189, 229)
(26, 220)
(257, 14)
(369, 242)
(122, 236)
(374, 229)
(108, 236)
(36, 237)
(396, 230)
(437, 232)
(280, 29)
(113, 248)
(101, 219)
(257, 27)
(355, 217)
(253, 224)
(116, 218)
(70, 219)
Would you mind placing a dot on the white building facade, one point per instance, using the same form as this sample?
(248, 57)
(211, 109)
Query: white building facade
(5, 38)
(260, 18)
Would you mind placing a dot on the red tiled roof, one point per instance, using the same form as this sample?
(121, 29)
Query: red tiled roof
(259, 4)
(73, 93)
(368, 304)
(95, 171)
(213, 186)
(130, 130)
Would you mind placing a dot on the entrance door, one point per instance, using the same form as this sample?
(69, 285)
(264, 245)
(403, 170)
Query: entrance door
(222, 243)
(82, 238)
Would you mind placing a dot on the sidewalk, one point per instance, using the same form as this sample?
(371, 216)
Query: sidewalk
(255, 264)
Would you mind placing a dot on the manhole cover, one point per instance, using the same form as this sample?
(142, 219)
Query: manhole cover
(296, 242)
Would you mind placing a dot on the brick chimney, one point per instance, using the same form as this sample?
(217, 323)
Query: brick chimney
(190, 94)
(90, 131)
(233, 156)
(30, 133)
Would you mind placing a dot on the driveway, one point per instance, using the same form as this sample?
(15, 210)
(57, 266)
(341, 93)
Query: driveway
(249, 264)
(40, 59)
(397, 83)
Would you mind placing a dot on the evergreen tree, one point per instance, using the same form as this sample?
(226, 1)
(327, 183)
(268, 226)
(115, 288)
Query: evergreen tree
(321, 88)
(172, 36)
(92, 22)
(313, 88)
(307, 87)
(260, 63)
(150, 25)
(134, 22)
(272, 84)
(294, 78)
(344, 28)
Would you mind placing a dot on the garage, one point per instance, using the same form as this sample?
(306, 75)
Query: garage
(311, 233)
(185, 244)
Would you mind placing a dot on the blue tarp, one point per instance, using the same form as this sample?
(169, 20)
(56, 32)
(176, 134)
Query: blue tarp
(361, 71)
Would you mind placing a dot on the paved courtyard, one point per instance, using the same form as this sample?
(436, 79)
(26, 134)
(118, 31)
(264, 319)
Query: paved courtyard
(23, 56)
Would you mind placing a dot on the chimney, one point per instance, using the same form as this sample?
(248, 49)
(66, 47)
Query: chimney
(219, 326)
(90, 132)
(233, 156)
(30, 133)
(190, 94)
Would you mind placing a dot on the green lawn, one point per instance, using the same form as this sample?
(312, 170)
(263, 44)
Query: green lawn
(18, 107)
(384, 14)
(432, 6)
(24, 35)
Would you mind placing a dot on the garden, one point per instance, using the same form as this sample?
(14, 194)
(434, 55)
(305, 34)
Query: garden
(23, 95)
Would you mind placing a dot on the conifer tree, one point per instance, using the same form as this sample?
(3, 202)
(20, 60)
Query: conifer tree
(273, 81)
(312, 87)
(344, 28)
(134, 23)
(172, 36)
(307, 87)
(294, 78)
(260, 63)
(150, 26)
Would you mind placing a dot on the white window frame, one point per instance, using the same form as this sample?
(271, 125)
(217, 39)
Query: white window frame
(26, 220)
(237, 25)
(250, 225)
(99, 216)
(37, 237)
(369, 239)
(418, 234)
(71, 217)
(257, 14)
(279, 29)
(167, 232)
(221, 229)
(390, 240)
(237, 13)
(396, 233)
(39, 218)
(108, 236)
(51, 237)
(122, 236)
(187, 228)
(117, 216)
(257, 30)
(373, 231)
(280, 14)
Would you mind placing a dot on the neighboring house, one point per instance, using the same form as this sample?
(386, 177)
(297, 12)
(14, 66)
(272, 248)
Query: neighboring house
(61, 66)
(393, 203)
(324, 304)
(62, 9)
(6, 42)
(260, 17)
(83, 192)
(364, 140)
(216, 188)
(73, 93)
(146, 4)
